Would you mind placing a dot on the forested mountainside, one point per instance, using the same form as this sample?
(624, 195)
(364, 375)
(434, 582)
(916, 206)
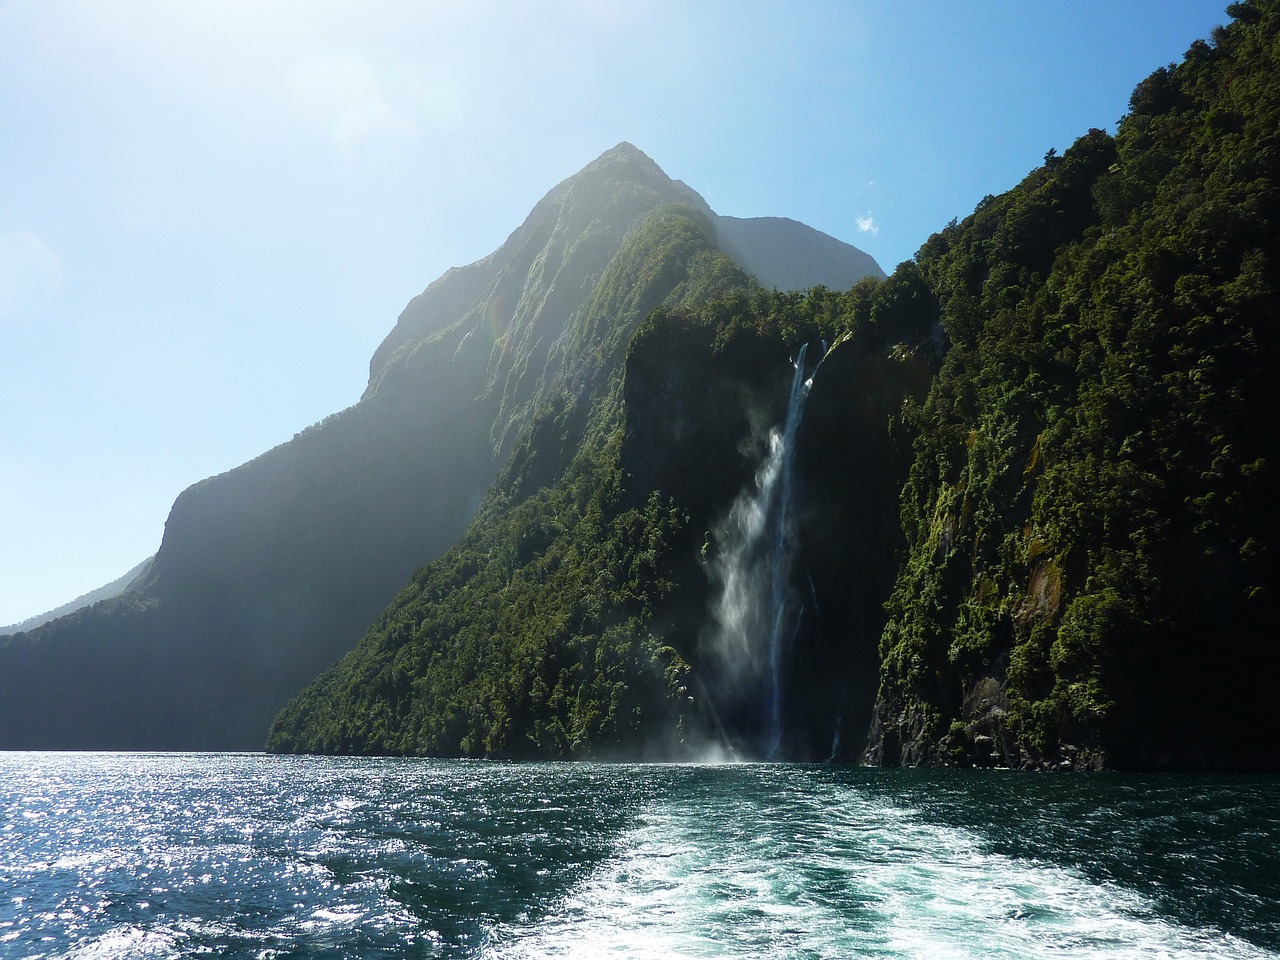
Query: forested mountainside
(571, 620)
(271, 571)
(1090, 515)
(1027, 515)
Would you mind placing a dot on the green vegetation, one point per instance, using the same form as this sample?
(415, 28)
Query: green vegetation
(270, 572)
(1090, 510)
(567, 621)
(531, 636)
(1038, 472)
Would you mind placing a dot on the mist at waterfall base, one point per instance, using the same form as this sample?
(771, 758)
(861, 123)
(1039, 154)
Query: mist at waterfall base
(758, 608)
(250, 856)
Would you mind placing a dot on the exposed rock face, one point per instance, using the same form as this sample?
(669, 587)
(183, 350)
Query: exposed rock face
(691, 412)
(269, 572)
(698, 415)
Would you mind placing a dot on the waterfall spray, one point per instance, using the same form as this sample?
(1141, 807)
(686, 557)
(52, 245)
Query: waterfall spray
(757, 613)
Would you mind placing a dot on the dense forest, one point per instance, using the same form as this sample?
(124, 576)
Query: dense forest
(570, 620)
(271, 571)
(1024, 516)
(1037, 465)
(1090, 515)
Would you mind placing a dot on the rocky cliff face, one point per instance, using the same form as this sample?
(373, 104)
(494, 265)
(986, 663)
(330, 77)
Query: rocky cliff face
(697, 424)
(269, 572)
(574, 617)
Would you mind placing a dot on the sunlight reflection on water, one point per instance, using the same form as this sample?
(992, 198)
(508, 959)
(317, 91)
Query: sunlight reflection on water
(253, 856)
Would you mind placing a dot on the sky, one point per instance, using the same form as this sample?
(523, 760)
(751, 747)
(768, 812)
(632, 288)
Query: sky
(212, 211)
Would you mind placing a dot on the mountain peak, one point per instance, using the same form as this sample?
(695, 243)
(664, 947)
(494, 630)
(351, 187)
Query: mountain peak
(625, 148)
(605, 199)
(624, 152)
(628, 163)
(301, 547)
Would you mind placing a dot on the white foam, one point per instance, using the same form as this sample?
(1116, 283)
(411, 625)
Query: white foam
(870, 880)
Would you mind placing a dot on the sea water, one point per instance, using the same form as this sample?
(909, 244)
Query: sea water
(148, 855)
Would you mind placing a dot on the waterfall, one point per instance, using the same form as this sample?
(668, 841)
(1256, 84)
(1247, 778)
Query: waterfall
(836, 743)
(756, 612)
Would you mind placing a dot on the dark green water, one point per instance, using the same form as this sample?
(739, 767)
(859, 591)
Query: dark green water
(113, 855)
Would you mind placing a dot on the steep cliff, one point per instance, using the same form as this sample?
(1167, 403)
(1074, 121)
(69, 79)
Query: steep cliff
(572, 618)
(1027, 517)
(271, 571)
(1090, 512)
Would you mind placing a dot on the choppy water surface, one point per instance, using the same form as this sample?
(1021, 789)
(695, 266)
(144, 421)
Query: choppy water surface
(113, 855)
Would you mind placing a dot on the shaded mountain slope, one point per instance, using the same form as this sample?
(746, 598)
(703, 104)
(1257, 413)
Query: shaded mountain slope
(569, 620)
(539, 595)
(105, 592)
(1034, 482)
(785, 255)
(271, 571)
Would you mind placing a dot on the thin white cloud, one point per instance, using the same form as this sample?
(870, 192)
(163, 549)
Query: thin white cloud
(867, 225)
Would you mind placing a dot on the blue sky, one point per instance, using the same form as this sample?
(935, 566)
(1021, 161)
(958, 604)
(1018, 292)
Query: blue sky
(212, 212)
